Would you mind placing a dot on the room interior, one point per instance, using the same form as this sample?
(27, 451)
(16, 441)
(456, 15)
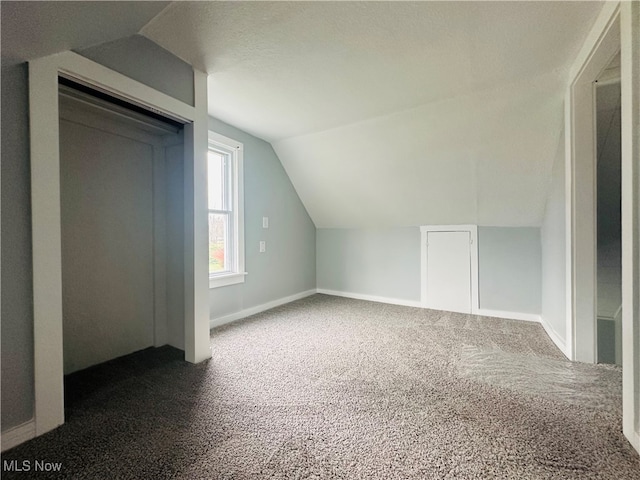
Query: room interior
(609, 242)
(412, 207)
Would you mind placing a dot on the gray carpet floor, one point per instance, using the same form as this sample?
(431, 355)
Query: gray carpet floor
(328, 387)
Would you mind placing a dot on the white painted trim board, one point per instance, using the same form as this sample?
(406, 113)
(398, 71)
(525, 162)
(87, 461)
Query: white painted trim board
(518, 316)
(372, 298)
(608, 13)
(630, 136)
(581, 175)
(247, 312)
(87, 72)
(602, 41)
(555, 338)
(529, 317)
(526, 317)
(17, 435)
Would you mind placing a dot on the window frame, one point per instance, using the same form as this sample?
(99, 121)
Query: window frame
(235, 150)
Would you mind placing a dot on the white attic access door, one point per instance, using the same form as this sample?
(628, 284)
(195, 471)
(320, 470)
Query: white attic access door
(46, 221)
(449, 267)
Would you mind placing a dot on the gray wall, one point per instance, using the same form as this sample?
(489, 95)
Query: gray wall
(386, 263)
(554, 296)
(17, 297)
(139, 58)
(380, 262)
(289, 264)
(509, 269)
(17, 294)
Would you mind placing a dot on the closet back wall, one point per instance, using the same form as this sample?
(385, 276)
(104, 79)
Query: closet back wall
(114, 190)
(107, 244)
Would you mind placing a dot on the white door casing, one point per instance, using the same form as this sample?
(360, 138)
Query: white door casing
(581, 191)
(616, 28)
(46, 222)
(630, 121)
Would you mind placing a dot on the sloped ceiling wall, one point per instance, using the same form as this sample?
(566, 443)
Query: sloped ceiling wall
(393, 113)
(480, 158)
(35, 29)
(382, 113)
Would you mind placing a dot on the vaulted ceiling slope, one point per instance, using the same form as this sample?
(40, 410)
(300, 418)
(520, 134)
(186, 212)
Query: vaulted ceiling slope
(382, 113)
(393, 113)
(34, 29)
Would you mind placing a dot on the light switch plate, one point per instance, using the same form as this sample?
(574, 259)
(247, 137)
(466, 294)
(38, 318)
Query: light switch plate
(263, 246)
(265, 222)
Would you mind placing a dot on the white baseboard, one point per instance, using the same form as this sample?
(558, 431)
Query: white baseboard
(632, 435)
(372, 298)
(555, 338)
(216, 322)
(528, 317)
(17, 435)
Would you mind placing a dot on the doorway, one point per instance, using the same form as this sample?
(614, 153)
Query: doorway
(616, 31)
(609, 221)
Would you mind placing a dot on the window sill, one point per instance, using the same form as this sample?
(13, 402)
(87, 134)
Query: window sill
(226, 280)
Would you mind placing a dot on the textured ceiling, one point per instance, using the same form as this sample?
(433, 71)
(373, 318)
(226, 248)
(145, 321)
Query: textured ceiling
(35, 29)
(393, 113)
(382, 113)
(281, 69)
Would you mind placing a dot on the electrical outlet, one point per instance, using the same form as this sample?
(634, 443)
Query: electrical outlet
(265, 222)
(263, 246)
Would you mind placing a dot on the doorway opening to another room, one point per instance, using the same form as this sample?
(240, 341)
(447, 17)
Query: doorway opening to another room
(609, 222)
(614, 34)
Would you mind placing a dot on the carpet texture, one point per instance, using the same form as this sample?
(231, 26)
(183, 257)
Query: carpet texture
(328, 387)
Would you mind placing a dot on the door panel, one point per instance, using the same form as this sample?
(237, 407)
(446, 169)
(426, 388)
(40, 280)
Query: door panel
(449, 271)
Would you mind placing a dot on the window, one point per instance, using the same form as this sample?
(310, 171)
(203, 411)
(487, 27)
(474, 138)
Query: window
(226, 219)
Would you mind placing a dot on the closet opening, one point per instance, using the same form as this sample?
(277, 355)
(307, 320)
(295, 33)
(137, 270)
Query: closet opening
(122, 229)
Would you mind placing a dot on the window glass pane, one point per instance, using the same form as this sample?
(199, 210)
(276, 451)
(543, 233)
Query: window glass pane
(219, 249)
(217, 177)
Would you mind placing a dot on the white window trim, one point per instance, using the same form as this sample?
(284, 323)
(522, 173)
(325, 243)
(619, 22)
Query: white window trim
(237, 276)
